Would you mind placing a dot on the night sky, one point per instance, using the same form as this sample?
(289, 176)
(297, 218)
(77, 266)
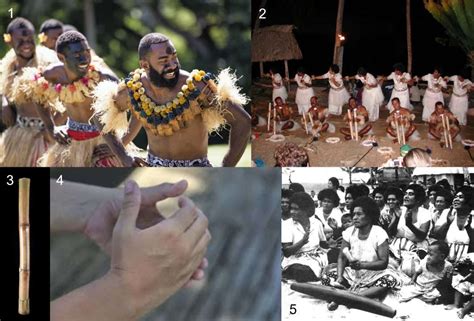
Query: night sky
(375, 36)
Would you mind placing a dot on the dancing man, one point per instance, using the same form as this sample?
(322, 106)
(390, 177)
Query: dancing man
(400, 119)
(437, 128)
(26, 137)
(338, 95)
(361, 119)
(50, 31)
(67, 87)
(177, 108)
(433, 93)
(401, 80)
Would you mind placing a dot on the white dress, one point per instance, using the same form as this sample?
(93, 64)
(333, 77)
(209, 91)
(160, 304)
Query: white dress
(279, 89)
(400, 90)
(303, 93)
(338, 95)
(310, 254)
(460, 99)
(372, 98)
(432, 95)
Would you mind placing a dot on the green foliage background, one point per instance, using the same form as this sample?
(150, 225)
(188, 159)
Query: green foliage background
(208, 34)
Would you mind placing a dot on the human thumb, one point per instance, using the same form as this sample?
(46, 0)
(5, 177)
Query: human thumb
(130, 206)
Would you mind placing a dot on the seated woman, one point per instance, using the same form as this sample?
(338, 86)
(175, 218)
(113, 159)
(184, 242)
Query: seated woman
(392, 210)
(329, 213)
(410, 230)
(363, 259)
(455, 225)
(442, 200)
(304, 258)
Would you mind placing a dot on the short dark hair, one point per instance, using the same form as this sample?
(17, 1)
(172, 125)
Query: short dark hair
(286, 193)
(20, 23)
(438, 68)
(352, 98)
(468, 193)
(364, 189)
(369, 207)
(395, 98)
(355, 191)
(399, 66)
(439, 103)
(442, 247)
(296, 187)
(420, 195)
(361, 71)
(334, 181)
(448, 197)
(330, 194)
(344, 216)
(67, 28)
(67, 38)
(148, 40)
(394, 191)
(334, 68)
(50, 24)
(379, 190)
(304, 202)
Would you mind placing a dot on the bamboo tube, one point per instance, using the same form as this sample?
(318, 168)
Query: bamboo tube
(355, 125)
(311, 120)
(349, 118)
(445, 131)
(398, 129)
(24, 232)
(269, 114)
(274, 121)
(402, 131)
(305, 124)
(450, 138)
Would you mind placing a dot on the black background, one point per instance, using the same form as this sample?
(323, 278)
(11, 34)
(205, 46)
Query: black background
(39, 244)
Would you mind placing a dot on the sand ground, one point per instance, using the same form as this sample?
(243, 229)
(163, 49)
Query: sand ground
(347, 153)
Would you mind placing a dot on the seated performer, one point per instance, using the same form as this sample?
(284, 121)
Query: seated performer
(318, 120)
(67, 87)
(436, 128)
(177, 109)
(283, 115)
(404, 118)
(362, 117)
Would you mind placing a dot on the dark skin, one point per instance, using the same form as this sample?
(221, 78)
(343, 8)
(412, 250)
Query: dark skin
(362, 117)
(300, 216)
(364, 225)
(404, 117)
(462, 215)
(190, 142)
(53, 35)
(74, 64)
(436, 126)
(411, 216)
(23, 44)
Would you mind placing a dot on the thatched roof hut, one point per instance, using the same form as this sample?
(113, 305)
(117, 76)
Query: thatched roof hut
(275, 43)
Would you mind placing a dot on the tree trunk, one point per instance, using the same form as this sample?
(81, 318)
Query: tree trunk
(89, 22)
(337, 43)
(409, 47)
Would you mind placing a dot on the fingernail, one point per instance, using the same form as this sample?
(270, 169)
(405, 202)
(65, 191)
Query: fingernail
(129, 187)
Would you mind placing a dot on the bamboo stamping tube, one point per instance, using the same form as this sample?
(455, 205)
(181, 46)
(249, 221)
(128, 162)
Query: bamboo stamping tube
(24, 231)
(349, 118)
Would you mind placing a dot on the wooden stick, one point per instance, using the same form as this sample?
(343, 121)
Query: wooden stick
(24, 231)
(349, 118)
(403, 131)
(310, 115)
(398, 129)
(446, 142)
(269, 115)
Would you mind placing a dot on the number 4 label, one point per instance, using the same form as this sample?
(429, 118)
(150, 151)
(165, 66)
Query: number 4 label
(60, 180)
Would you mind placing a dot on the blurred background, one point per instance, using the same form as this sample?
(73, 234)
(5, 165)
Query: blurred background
(208, 34)
(243, 278)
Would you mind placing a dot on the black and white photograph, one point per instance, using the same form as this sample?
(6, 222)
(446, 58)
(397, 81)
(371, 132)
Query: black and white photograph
(377, 243)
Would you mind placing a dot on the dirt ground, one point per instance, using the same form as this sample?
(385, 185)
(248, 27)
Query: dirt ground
(347, 153)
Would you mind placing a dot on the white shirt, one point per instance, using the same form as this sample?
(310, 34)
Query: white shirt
(460, 88)
(277, 81)
(454, 235)
(423, 216)
(365, 250)
(286, 230)
(434, 85)
(336, 214)
(302, 81)
(398, 85)
(337, 77)
(316, 235)
(369, 79)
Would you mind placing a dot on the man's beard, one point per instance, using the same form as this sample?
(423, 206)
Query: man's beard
(159, 80)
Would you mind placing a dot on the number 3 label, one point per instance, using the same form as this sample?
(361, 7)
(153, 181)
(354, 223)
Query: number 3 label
(10, 180)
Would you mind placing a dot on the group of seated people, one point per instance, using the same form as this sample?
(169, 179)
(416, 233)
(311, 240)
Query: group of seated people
(399, 122)
(414, 241)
